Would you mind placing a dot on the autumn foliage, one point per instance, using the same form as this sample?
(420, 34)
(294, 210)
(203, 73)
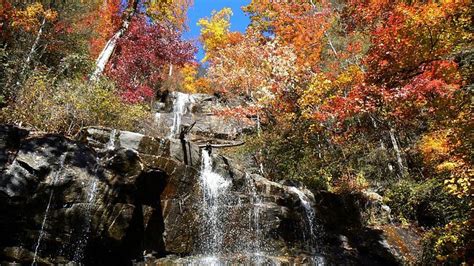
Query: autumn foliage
(104, 20)
(143, 54)
(60, 42)
(346, 81)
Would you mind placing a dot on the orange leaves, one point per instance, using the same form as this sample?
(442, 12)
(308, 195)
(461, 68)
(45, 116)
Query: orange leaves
(105, 21)
(303, 27)
(333, 65)
(30, 18)
(338, 97)
(412, 35)
(298, 24)
(242, 113)
(435, 147)
(191, 82)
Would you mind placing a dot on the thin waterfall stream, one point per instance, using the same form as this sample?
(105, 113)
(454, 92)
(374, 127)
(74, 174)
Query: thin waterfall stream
(309, 213)
(254, 219)
(48, 206)
(311, 241)
(85, 232)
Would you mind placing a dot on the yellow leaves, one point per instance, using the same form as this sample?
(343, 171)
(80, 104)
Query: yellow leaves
(460, 180)
(434, 146)
(214, 31)
(50, 14)
(450, 238)
(30, 18)
(438, 153)
(313, 96)
(447, 166)
(189, 73)
(322, 88)
(353, 75)
(172, 11)
(68, 106)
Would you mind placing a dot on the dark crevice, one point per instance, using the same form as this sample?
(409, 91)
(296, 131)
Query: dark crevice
(150, 185)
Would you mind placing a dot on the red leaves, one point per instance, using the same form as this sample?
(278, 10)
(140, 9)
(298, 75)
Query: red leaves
(242, 113)
(405, 77)
(6, 12)
(141, 56)
(437, 80)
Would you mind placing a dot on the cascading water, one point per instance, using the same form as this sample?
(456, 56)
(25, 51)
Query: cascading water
(84, 235)
(311, 241)
(112, 139)
(179, 109)
(255, 247)
(91, 196)
(48, 206)
(219, 242)
(214, 188)
(310, 215)
(81, 243)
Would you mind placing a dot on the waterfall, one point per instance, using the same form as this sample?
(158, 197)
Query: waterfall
(254, 247)
(214, 188)
(179, 109)
(397, 152)
(310, 215)
(254, 215)
(84, 235)
(112, 138)
(48, 206)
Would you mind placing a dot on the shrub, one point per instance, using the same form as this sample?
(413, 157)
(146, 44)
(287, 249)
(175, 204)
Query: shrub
(285, 158)
(449, 244)
(67, 106)
(426, 202)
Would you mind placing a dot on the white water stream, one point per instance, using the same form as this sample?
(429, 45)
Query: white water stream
(180, 103)
(309, 213)
(57, 174)
(214, 188)
(85, 232)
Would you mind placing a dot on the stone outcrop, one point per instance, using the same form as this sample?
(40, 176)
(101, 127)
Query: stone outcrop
(113, 197)
(199, 113)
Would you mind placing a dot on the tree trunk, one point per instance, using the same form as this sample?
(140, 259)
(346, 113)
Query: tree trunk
(397, 152)
(109, 47)
(33, 47)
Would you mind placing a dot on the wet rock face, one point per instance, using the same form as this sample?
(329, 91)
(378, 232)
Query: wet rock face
(91, 205)
(198, 112)
(111, 196)
(55, 190)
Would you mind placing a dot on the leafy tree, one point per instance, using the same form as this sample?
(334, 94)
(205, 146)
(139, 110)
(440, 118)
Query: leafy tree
(141, 56)
(171, 12)
(215, 31)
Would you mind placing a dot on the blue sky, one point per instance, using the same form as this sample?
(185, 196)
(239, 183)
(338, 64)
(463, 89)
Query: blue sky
(203, 8)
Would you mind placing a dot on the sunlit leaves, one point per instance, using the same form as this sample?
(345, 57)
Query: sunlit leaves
(173, 12)
(142, 55)
(105, 20)
(31, 18)
(214, 31)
